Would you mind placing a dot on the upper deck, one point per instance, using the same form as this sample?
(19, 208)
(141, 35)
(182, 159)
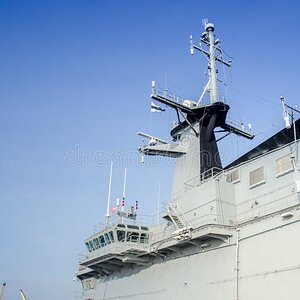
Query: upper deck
(114, 247)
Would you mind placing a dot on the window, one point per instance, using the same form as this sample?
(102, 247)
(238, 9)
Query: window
(102, 241)
(111, 236)
(91, 246)
(121, 235)
(96, 243)
(88, 247)
(107, 239)
(234, 176)
(257, 177)
(144, 238)
(284, 165)
(121, 225)
(132, 237)
(133, 227)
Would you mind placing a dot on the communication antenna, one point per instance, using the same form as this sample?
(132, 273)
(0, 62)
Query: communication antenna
(191, 45)
(107, 216)
(23, 295)
(204, 22)
(2, 290)
(123, 197)
(124, 186)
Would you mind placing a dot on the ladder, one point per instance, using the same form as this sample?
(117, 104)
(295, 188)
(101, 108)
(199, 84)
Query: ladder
(177, 216)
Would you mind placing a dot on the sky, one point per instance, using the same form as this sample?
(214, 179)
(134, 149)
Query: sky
(75, 84)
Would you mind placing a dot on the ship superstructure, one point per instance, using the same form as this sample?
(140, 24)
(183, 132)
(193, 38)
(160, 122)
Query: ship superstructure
(228, 232)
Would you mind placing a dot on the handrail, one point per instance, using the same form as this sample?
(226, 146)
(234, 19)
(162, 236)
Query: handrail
(187, 221)
(203, 177)
(239, 126)
(167, 94)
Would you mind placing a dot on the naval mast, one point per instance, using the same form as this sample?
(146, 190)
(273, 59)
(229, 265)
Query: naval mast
(227, 232)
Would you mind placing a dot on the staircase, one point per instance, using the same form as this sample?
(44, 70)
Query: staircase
(176, 216)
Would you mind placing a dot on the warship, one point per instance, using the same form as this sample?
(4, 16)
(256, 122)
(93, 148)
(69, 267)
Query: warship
(228, 232)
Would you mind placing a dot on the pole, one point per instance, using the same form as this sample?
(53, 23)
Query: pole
(109, 192)
(124, 183)
(23, 295)
(123, 196)
(237, 263)
(2, 290)
(212, 63)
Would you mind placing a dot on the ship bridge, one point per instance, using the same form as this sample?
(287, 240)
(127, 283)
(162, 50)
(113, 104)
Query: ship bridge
(113, 248)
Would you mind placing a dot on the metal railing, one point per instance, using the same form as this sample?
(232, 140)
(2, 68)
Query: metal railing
(156, 91)
(141, 220)
(203, 177)
(239, 126)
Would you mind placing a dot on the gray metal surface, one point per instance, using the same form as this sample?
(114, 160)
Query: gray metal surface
(226, 234)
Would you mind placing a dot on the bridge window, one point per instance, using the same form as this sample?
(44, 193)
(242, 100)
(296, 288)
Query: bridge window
(133, 227)
(132, 237)
(111, 236)
(144, 238)
(91, 246)
(102, 241)
(121, 225)
(121, 235)
(107, 239)
(88, 247)
(96, 243)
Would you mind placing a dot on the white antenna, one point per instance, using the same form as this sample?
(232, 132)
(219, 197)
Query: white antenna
(124, 183)
(23, 295)
(2, 290)
(191, 45)
(124, 190)
(123, 197)
(107, 216)
(166, 80)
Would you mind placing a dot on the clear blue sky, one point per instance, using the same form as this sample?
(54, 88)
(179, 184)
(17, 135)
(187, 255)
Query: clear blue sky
(77, 75)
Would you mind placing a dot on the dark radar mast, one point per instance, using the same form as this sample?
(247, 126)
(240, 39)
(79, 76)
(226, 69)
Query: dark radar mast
(197, 119)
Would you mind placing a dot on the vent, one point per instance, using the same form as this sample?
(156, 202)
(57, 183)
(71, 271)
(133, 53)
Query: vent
(257, 177)
(284, 165)
(234, 176)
